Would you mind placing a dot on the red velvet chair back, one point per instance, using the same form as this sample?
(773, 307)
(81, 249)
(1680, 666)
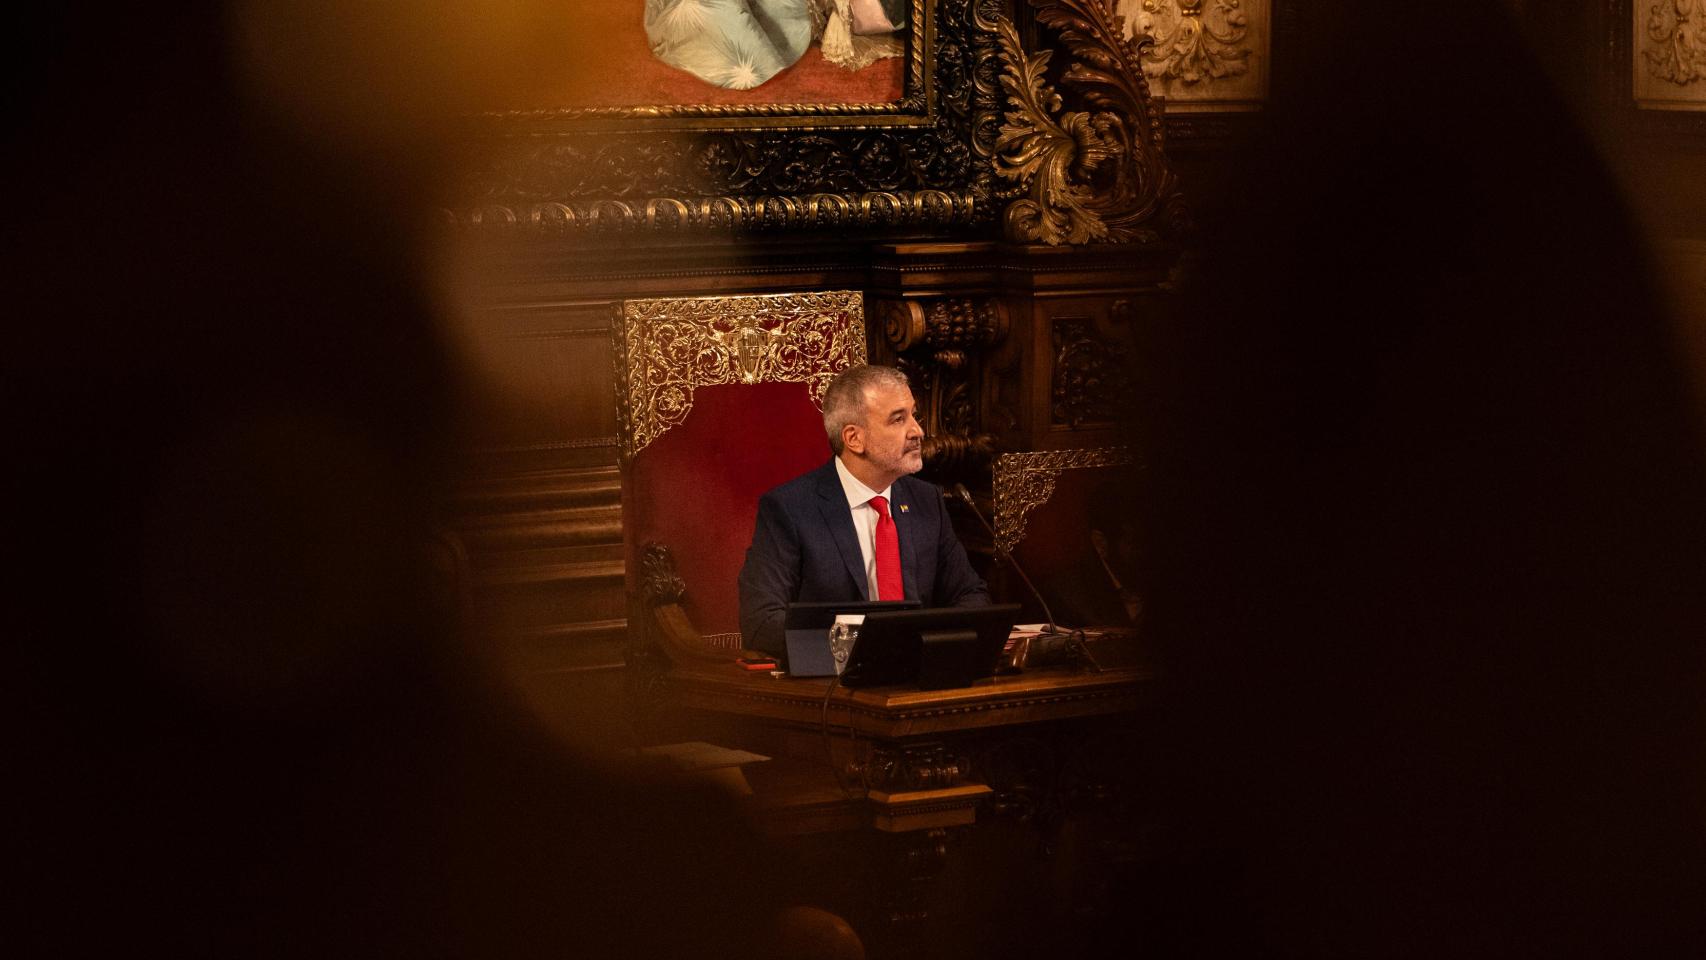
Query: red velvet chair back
(719, 400)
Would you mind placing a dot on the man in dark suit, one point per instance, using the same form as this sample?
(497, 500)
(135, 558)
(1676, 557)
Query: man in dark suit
(859, 527)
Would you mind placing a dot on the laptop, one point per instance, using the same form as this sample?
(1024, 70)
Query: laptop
(805, 629)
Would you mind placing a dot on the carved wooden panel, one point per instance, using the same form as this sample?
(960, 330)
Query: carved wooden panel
(1089, 373)
(543, 383)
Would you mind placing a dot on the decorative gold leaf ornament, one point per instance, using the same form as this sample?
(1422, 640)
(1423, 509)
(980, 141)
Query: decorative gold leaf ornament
(667, 348)
(1676, 41)
(1194, 41)
(1092, 176)
(1025, 481)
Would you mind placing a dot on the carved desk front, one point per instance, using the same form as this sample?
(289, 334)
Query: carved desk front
(1029, 788)
(907, 759)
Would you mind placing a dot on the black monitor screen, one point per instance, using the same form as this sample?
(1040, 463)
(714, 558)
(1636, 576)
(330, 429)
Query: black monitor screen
(805, 632)
(934, 648)
(821, 614)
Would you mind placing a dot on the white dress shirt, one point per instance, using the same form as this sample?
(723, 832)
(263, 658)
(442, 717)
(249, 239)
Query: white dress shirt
(864, 519)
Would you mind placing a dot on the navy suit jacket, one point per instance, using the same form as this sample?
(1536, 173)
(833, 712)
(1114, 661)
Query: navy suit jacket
(804, 548)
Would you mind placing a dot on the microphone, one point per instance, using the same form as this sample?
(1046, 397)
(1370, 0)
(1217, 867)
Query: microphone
(1012, 561)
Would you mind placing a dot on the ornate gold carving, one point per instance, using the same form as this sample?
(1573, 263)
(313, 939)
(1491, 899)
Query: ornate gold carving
(1676, 41)
(667, 348)
(822, 211)
(902, 322)
(950, 325)
(1025, 481)
(1094, 175)
(1193, 41)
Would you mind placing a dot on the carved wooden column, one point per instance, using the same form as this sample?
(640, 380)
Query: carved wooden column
(1094, 226)
(936, 316)
(1062, 377)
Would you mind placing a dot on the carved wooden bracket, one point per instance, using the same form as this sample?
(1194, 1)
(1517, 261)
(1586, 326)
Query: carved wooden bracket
(659, 581)
(937, 340)
(663, 625)
(1025, 481)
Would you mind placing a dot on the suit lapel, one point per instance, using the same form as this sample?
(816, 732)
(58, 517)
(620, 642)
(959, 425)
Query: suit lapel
(836, 515)
(908, 529)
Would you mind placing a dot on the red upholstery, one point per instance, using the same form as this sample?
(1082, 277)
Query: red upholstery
(696, 488)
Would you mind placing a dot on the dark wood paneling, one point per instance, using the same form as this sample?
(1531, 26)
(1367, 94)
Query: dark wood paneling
(544, 379)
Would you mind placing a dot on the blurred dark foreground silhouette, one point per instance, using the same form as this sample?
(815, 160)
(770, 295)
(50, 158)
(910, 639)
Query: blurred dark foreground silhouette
(1429, 530)
(244, 723)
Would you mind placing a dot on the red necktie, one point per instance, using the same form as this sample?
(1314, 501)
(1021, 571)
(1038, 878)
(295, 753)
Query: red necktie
(888, 554)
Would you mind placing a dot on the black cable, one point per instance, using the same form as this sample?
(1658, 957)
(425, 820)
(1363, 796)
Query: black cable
(1049, 629)
(828, 745)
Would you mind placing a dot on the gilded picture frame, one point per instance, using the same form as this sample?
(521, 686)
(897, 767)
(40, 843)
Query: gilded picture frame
(919, 163)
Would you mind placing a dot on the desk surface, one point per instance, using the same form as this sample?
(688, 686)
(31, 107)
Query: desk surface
(1036, 695)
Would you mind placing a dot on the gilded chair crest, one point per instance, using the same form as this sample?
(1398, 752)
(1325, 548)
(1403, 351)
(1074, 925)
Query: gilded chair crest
(666, 348)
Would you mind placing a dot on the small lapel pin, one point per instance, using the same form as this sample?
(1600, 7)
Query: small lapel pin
(904, 508)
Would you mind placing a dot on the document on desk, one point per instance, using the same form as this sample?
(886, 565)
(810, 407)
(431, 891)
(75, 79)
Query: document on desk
(1022, 631)
(1031, 631)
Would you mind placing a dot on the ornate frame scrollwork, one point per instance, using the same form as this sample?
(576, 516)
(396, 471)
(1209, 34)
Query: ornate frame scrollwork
(666, 348)
(923, 162)
(1628, 35)
(1088, 176)
(1025, 481)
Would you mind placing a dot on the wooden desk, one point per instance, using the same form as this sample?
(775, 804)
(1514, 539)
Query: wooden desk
(897, 739)
(1028, 758)
(898, 713)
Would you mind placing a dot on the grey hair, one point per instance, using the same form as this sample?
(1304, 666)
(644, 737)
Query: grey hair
(844, 398)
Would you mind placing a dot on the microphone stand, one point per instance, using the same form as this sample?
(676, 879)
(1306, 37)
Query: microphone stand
(965, 497)
(1075, 641)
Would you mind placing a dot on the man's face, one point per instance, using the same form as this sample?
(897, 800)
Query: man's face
(893, 440)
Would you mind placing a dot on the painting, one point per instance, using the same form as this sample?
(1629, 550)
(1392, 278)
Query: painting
(697, 59)
(798, 51)
(1669, 54)
(870, 117)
